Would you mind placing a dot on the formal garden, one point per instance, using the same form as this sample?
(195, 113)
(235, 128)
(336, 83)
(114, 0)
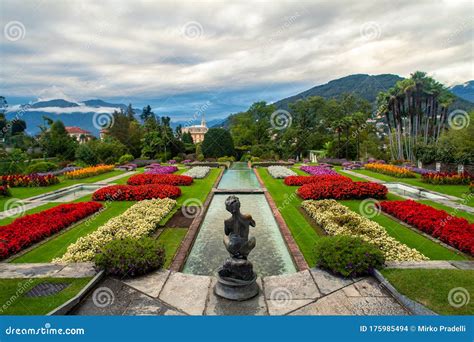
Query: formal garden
(350, 215)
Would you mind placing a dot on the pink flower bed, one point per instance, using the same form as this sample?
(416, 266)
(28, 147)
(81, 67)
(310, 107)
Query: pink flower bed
(318, 171)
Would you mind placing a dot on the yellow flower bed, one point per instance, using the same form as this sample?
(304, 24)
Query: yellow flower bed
(391, 170)
(89, 171)
(337, 219)
(138, 221)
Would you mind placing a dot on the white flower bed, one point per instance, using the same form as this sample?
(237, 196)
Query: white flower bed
(337, 219)
(280, 171)
(137, 221)
(198, 172)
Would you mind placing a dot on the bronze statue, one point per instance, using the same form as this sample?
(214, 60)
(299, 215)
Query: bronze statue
(236, 229)
(236, 278)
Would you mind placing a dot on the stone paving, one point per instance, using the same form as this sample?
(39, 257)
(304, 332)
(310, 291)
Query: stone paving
(310, 292)
(41, 270)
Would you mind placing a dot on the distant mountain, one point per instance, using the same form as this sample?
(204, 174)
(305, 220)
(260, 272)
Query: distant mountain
(54, 103)
(464, 91)
(363, 85)
(81, 114)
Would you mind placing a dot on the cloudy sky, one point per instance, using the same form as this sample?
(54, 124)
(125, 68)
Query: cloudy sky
(183, 56)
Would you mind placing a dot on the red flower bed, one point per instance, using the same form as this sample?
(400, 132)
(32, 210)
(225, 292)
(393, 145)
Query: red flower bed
(342, 190)
(160, 179)
(136, 192)
(454, 231)
(29, 229)
(452, 178)
(28, 180)
(301, 180)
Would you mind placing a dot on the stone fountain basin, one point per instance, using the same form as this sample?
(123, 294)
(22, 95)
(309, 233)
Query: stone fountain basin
(413, 192)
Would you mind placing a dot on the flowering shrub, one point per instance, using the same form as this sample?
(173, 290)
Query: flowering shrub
(5, 191)
(318, 170)
(337, 219)
(59, 172)
(452, 178)
(454, 231)
(89, 171)
(391, 170)
(342, 190)
(347, 255)
(26, 230)
(187, 161)
(172, 161)
(351, 165)
(138, 221)
(136, 192)
(127, 167)
(420, 171)
(198, 172)
(160, 170)
(142, 179)
(32, 180)
(280, 171)
(130, 257)
(300, 180)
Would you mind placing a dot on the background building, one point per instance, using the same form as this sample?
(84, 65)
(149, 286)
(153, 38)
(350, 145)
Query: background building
(197, 131)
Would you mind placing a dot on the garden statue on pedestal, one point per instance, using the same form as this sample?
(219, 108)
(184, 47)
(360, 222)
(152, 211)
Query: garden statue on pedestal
(236, 278)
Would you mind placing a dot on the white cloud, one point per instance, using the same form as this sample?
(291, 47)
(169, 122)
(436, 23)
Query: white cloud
(139, 49)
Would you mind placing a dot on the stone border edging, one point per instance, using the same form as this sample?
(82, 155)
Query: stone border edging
(295, 252)
(188, 241)
(71, 303)
(410, 305)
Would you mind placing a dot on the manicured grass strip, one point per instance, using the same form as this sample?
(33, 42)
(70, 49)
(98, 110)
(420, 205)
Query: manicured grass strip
(432, 288)
(57, 246)
(339, 170)
(35, 191)
(196, 193)
(408, 237)
(12, 295)
(288, 204)
(171, 238)
(453, 190)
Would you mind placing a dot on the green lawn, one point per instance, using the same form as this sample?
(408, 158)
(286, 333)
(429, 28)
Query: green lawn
(453, 190)
(22, 193)
(14, 301)
(57, 246)
(407, 236)
(171, 238)
(432, 287)
(288, 204)
(195, 193)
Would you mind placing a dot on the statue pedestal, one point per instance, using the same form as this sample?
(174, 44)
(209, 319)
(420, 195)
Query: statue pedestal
(234, 289)
(236, 280)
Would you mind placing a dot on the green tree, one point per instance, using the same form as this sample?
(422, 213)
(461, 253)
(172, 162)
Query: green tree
(56, 142)
(217, 143)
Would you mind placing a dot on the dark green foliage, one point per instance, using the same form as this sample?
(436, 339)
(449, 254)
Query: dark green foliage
(56, 142)
(41, 167)
(348, 256)
(187, 138)
(131, 257)
(217, 143)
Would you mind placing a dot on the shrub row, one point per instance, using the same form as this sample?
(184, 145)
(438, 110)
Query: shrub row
(342, 190)
(301, 180)
(145, 178)
(136, 192)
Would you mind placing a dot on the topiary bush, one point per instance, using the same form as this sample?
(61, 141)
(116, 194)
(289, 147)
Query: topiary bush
(41, 167)
(347, 256)
(131, 257)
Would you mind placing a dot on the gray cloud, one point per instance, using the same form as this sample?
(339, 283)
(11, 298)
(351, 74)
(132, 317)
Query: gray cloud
(146, 49)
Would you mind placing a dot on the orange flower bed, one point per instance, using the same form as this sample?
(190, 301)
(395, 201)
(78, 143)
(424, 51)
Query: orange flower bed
(89, 171)
(390, 170)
